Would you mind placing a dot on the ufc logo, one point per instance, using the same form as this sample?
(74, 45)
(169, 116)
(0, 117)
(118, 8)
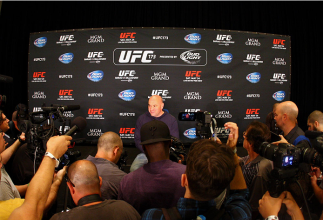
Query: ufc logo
(223, 37)
(193, 73)
(93, 111)
(224, 93)
(128, 35)
(160, 92)
(251, 111)
(65, 92)
(127, 130)
(127, 73)
(95, 54)
(131, 56)
(279, 75)
(253, 57)
(39, 74)
(222, 130)
(66, 37)
(279, 41)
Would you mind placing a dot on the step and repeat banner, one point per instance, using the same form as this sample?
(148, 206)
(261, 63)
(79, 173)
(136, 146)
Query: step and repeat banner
(111, 73)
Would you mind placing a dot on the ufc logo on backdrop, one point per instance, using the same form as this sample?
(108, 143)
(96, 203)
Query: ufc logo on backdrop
(223, 37)
(65, 92)
(251, 111)
(193, 73)
(224, 93)
(95, 54)
(253, 57)
(131, 56)
(279, 41)
(127, 73)
(39, 74)
(128, 35)
(127, 130)
(66, 37)
(93, 111)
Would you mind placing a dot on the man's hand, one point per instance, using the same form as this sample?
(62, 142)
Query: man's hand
(234, 134)
(269, 205)
(292, 208)
(22, 136)
(282, 140)
(58, 145)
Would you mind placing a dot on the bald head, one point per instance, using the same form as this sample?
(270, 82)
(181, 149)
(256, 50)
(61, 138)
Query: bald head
(289, 108)
(84, 175)
(315, 121)
(108, 141)
(155, 106)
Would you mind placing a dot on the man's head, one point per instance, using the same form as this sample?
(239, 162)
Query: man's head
(155, 106)
(83, 179)
(256, 133)
(315, 121)
(209, 169)
(4, 122)
(110, 146)
(286, 114)
(155, 139)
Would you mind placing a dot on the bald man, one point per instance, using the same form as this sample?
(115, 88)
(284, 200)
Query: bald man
(155, 112)
(110, 147)
(286, 119)
(84, 184)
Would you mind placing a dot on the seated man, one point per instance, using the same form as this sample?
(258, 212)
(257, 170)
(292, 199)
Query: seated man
(211, 168)
(109, 151)
(157, 183)
(84, 184)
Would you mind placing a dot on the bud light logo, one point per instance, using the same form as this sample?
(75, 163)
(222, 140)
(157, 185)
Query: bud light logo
(190, 133)
(40, 42)
(95, 76)
(66, 58)
(127, 95)
(194, 38)
(279, 96)
(253, 77)
(224, 58)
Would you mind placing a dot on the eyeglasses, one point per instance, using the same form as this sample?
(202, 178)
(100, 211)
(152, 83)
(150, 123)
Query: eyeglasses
(67, 178)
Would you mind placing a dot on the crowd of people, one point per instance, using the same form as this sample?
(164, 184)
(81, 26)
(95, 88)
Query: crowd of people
(214, 183)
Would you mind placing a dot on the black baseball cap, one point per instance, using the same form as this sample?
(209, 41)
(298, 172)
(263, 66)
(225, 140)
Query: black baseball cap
(153, 132)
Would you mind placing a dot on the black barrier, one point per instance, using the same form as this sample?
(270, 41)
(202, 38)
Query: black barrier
(236, 76)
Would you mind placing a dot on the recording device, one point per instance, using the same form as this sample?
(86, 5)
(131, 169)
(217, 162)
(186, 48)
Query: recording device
(287, 159)
(205, 123)
(40, 127)
(177, 151)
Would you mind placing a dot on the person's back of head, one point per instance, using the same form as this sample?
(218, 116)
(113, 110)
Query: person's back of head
(257, 133)
(156, 140)
(110, 146)
(315, 121)
(210, 168)
(83, 179)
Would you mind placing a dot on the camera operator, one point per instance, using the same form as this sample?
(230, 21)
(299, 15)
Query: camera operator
(286, 119)
(42, 189)
(269, 206)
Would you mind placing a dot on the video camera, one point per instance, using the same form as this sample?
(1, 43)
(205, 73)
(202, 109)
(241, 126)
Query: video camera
(205, 123)
(287, 159)
(40, 127)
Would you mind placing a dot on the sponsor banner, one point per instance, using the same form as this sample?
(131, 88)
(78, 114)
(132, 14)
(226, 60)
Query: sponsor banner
(39, 95)
(66, 58)
(224, 76)
(223, 114)
(222, 39)
(253, 42)
(64, 129)
(279, 61)
(95, 57)
(65, 76)
(224, 95)
(159, 76)
(192, 110)
(39, 77)
(279, 78)
(127, 95)
(252, 113)
(126, 76)
(65, 95)
(40, 42)
(66, 40)
(279, 96)
(95, 113)
(193, 76)
(253, 59)
(39, 59)
(190, 133)
(279, 44)
(126, 133)
(193, 96)
(68, 114)
(95, 39)
(224, 58)
(127, 38)
(222, 132)
(161, 92)
(95, 76)
(253, 77)
(127, 114)
(253, 95)
(93, 132)
(160, 37)
(194, 38)
(95, 95)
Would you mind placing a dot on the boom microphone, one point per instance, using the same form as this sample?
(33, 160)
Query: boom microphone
(62, 108)
(78, 124)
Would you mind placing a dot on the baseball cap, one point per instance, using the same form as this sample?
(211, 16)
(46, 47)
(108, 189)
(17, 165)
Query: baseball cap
(153, 132)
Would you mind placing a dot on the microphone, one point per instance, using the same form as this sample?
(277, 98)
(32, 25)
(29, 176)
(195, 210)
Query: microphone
(62, 108)
(78, 124)
(6, 79)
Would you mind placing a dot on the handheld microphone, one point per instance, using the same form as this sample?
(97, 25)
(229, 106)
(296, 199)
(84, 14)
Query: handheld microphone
(78, 124)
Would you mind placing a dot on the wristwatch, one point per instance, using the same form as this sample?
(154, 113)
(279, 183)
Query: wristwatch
(52, 156)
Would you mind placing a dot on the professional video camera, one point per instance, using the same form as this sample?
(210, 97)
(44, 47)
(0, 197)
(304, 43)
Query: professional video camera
(177, 151)
(40, 127)
(205, 123)
(287, 159)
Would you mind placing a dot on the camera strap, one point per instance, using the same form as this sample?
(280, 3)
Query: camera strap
(89, 199)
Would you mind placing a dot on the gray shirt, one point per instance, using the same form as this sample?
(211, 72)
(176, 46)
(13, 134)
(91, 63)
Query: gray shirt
(8, 190)
(111, 176)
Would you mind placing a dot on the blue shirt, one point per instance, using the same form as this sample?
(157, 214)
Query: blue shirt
(236, 206)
